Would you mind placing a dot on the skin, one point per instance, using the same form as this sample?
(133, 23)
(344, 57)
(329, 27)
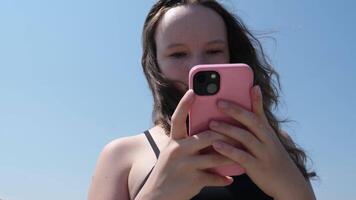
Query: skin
(180, 168)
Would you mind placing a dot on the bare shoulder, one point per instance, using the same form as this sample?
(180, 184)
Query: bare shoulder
(119, 152)
(121, 149)
(113, 167)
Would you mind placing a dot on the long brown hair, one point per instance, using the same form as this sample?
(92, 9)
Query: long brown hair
(243, 48)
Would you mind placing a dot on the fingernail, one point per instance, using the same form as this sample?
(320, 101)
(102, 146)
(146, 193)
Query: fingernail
(218, 145)
(214, 123)
(191, 96)
(258, 90)
(229, 181)
(223, 104)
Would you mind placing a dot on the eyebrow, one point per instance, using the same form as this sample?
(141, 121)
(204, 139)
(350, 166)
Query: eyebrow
(217, 41)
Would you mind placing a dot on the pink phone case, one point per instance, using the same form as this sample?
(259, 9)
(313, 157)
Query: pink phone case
(236, 81)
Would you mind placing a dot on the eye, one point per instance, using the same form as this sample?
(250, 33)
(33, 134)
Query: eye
(178, 55)
(214, 51)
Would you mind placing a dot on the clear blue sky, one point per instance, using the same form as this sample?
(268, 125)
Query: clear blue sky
(71, 81)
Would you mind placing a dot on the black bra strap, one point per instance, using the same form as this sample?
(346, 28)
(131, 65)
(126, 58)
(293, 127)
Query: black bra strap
(152, 143)
(156, 150)
(143, 182)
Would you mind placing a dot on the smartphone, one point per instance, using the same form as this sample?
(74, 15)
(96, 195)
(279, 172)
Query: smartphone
(210, 83)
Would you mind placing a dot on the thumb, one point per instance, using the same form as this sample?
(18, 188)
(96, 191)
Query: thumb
(179, 117)
(218, 180)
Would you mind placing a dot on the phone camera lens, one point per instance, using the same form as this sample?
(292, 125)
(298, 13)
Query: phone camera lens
(201, 78)
(212, 88)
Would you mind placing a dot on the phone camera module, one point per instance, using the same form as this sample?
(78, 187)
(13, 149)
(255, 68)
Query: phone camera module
(206, 83)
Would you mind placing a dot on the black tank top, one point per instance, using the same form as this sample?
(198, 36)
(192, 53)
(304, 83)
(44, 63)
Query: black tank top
(242, 188)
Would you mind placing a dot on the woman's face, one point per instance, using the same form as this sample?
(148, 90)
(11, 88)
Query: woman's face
(187, 36)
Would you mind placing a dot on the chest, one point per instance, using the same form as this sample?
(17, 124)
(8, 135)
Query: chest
(142, 164)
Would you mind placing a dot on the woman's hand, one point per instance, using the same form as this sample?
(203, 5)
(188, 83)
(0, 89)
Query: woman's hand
(180, 171)
(265, 159)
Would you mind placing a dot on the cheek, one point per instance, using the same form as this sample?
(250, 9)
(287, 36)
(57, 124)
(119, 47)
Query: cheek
(174, 71)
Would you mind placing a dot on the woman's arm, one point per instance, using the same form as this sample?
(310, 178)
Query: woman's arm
(302, 192)
(109, 181)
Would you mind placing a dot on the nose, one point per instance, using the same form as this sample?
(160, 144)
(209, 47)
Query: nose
(197, 60)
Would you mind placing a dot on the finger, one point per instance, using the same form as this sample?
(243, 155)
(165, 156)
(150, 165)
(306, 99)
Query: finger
(210, 160)
(241, 157)
(178, 128)
(249, 119)
(247, 139)
(212, 179)
(204, 139)
(257, 102)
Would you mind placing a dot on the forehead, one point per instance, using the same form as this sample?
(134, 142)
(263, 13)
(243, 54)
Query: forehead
(187, 24)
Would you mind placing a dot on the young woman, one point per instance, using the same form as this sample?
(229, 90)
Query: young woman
(164, 162)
